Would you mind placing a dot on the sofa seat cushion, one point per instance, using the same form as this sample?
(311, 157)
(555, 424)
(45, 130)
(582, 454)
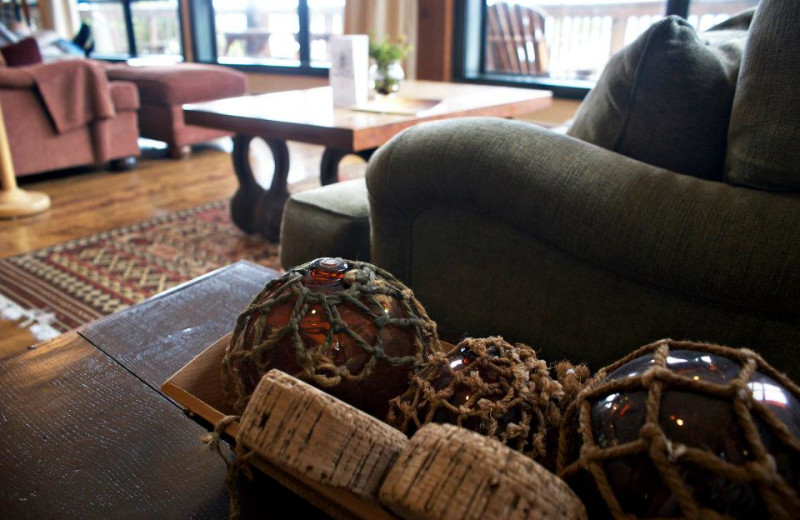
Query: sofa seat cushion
(765, 123)
(181, 83)
(328, 221)
(666, 98)
(124, 95)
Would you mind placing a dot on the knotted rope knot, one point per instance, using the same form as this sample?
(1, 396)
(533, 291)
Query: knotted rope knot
(589, 453)
(742, 392)
(675, 450)
(338, 325)
(651, 432)
(383, 319)
(653, 375)
(747, 354)
(515, 430)
(212, 440)
(242, 462)
(772, 465)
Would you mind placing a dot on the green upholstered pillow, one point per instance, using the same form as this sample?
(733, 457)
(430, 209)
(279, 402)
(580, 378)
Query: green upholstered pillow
(666, 98)
(764, 135)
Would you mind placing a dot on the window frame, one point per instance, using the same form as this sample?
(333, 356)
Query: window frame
(469, 48)
(204, 42)
(127, 13)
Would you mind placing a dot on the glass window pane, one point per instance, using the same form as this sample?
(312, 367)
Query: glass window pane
(257, 32)
(563, 39)
(156, 27)
(706, 13)
(107, 21)
(326, 18)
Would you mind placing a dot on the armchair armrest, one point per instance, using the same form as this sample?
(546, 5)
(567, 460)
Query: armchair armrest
(74, 92)
(15, 77)
(709, 240)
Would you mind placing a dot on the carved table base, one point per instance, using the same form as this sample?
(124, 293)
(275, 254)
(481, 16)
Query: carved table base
(258, 210)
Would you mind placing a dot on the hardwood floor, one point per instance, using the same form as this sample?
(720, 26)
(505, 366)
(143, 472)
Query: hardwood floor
(84, 203)
(89, 202)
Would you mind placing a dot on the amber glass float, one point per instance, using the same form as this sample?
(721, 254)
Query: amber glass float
(684, 432)
(347, 327)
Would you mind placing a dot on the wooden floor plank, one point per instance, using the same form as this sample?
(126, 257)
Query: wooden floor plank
(84, 203)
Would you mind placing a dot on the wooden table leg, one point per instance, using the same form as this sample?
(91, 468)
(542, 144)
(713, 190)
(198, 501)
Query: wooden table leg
(253, 208)
(329, 167)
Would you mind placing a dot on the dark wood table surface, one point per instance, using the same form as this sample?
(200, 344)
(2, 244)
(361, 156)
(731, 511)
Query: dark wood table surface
(309, 116)
(86, 433)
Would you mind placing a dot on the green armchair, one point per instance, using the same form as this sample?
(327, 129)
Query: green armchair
(682, 220)
(501, 227)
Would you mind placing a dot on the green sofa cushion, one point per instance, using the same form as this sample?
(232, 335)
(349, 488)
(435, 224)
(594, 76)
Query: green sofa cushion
(765, 122)
(666, 98)
(328, 221)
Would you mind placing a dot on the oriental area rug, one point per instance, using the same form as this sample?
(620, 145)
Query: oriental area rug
(58, 288)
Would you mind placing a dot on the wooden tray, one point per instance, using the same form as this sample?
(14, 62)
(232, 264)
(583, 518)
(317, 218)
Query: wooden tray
(198, 387)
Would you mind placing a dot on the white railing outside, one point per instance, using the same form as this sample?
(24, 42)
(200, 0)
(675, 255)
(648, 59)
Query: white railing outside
(581, 35)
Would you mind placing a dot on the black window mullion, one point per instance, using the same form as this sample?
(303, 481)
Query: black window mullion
(126, 8)
(678, 7)
(304, 36)
(484, 23)
(203, 22)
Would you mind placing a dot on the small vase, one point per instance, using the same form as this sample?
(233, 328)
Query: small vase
(385, 78)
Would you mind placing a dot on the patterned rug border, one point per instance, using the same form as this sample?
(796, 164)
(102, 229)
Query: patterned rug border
(60, 287)
(39, 292)
(136, 226)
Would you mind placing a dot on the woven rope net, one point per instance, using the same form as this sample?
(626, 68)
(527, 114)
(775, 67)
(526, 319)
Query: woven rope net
(582, 457)
(355, 331)
(495, 388)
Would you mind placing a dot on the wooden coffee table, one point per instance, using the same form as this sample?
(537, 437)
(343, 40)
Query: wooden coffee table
(87, 433)
(308, 116)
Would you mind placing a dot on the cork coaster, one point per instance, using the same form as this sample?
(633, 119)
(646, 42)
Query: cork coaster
(315, 436)
(449, 472)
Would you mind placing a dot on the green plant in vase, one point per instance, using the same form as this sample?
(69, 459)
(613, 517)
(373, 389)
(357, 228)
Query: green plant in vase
(386, 73)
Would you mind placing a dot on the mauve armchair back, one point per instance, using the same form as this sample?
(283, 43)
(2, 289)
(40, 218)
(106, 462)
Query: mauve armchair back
(48, 131)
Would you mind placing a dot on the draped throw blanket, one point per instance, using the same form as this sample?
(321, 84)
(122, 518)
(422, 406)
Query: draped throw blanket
(75, 92)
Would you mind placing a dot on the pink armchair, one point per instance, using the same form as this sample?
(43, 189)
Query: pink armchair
(66, 114)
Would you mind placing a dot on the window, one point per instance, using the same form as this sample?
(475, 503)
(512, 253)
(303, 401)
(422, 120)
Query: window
(26, 13)
(129, 28)
(277, 33)
(564, 44)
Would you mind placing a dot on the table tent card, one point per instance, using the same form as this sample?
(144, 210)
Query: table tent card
(349, 73)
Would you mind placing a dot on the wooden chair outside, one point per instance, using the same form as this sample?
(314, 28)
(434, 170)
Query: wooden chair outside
(515, 40)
